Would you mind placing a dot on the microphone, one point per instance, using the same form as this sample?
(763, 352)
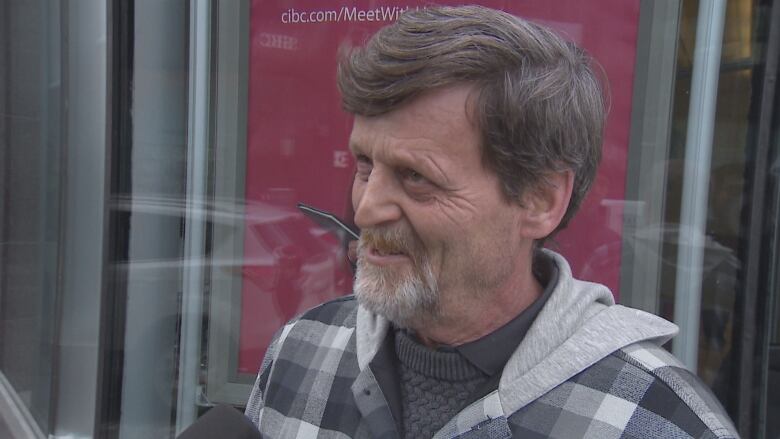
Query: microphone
(224, 422)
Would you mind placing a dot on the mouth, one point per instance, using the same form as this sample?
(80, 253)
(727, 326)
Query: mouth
(384, 256)
(385, 247)
(387, 252)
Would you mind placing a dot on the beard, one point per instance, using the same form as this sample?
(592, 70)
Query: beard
(406, 295)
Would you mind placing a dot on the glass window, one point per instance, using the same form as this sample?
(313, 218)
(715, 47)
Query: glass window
(51, 248)
(706, 264)
(153, 155)
(30, 177)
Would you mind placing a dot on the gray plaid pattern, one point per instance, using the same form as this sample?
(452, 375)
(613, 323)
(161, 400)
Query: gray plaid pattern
(685, 385)
(637, 392)
(310, 386)
(480, 415)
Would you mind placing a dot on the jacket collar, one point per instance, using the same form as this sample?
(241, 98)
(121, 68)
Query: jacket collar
(578, 326)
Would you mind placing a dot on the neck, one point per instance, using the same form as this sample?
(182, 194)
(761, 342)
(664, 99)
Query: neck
(469, 316)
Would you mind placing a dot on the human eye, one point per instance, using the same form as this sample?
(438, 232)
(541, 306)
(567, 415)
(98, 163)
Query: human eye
(412, 176)
(364, 166)
(414, 180)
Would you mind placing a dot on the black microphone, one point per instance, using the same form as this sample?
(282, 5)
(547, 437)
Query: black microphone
(223, 422)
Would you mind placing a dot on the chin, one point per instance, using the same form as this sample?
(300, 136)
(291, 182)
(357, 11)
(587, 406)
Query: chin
(406, 299)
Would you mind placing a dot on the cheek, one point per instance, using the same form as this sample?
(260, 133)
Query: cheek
(459, 217)
(438, 238)
(357, 192)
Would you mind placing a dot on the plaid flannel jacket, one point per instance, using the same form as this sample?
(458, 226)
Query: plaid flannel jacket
(311, 386)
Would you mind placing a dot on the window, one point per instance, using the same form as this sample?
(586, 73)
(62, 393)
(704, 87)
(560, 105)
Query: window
(152, 155)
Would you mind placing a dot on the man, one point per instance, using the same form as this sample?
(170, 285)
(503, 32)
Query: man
(476, 137)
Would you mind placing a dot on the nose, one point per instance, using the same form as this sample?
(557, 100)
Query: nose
(376, 200)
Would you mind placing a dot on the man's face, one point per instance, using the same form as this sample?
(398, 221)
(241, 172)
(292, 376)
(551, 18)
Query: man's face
(436, 228)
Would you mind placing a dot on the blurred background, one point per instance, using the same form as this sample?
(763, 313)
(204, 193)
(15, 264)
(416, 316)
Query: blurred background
(153, 152)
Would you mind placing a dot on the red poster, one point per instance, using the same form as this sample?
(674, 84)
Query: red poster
(297, 148)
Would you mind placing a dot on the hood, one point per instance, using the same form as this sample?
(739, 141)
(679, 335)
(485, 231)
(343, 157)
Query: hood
(578, 326)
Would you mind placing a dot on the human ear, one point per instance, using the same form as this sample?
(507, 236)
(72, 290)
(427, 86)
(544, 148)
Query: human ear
(545, 205)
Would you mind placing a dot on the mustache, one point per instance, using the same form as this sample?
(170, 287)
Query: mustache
(388, 240)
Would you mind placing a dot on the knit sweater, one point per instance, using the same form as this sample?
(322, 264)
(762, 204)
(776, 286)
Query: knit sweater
(435, 385)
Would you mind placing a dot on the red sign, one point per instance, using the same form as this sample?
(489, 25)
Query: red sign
(297, 148)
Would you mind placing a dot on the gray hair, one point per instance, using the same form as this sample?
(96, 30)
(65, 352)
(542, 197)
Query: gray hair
(540, 106)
